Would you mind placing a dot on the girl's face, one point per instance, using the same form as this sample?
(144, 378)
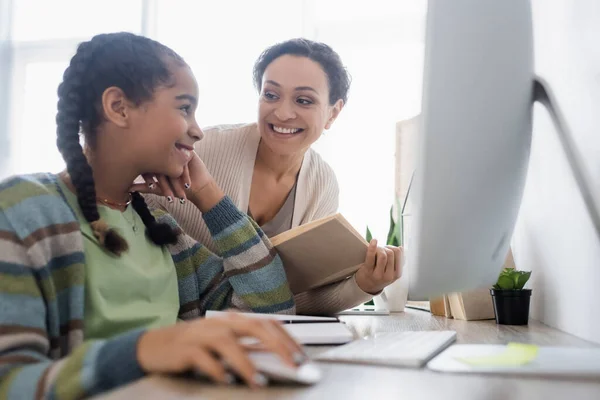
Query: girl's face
(164, 130)
(294, 104)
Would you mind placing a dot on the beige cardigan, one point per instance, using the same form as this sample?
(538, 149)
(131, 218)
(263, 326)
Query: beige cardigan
(229, 152)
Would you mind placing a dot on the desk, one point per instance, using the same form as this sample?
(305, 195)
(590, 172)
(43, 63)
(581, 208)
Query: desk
(374, 383)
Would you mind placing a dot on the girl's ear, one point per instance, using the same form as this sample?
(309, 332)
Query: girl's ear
(116, 107)
(334, 112)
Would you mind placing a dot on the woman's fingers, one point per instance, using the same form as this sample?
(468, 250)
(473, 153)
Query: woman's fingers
(371, 254)
(380, 265)
(398, 254)
(390, 267)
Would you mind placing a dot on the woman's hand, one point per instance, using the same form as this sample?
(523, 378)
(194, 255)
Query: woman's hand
(196, 184)
(205, 345)
(382, 266)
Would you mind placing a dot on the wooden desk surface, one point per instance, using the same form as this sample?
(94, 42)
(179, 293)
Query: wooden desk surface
(342, 381)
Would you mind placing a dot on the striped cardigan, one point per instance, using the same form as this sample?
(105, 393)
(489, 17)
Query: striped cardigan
(43, 352)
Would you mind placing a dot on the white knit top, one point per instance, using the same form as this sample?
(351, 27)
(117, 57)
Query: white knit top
(229, 152)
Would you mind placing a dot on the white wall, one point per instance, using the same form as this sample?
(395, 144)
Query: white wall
(554, 237)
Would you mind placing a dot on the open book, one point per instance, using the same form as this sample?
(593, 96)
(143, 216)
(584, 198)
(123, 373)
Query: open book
(320, 252)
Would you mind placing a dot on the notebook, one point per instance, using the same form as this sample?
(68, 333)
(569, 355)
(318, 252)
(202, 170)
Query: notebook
(307, 330)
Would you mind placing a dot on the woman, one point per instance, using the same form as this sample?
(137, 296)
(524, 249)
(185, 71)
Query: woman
(269, 169)
(92, 281)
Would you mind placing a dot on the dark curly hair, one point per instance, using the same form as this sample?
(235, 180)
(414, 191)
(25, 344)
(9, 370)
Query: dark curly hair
(135, 64)
(337, 76)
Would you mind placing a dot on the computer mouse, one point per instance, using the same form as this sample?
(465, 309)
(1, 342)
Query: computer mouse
(272, 367)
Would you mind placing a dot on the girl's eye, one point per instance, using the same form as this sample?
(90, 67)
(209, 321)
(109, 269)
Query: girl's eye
(270, 96)
(186, 109)
(304, 101)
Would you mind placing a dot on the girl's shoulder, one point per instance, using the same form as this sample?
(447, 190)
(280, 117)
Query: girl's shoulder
(19, 188)
(33, 202)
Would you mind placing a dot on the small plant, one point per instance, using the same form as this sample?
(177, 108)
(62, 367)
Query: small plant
(511, 279)
(510, 300)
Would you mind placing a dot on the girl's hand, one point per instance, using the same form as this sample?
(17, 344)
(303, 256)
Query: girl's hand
(205, 345)
(195, 184)
(382, 266)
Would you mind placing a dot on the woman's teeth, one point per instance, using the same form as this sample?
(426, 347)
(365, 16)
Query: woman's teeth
(186, 152)
(285, 130)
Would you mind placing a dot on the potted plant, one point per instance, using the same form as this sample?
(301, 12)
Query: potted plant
(511, 301)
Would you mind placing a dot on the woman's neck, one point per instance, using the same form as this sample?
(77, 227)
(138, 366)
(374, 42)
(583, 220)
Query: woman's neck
(281, 166)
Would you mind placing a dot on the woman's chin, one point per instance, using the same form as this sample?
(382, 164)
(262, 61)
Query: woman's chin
(282, 148)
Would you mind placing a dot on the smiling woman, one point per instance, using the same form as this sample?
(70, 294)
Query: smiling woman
(271, 172)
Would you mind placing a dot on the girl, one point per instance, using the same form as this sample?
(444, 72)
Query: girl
(88, 297)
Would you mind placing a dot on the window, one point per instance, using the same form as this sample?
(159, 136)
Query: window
(220, 41)
(34, 127)
(39, 20)
(43, 37)
(381, 45)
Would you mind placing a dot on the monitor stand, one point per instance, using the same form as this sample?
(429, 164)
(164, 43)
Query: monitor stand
(544, 95)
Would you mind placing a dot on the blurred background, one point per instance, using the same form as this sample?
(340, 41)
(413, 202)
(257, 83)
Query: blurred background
(381, 45)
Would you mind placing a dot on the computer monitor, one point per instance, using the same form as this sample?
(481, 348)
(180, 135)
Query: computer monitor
(474, 143)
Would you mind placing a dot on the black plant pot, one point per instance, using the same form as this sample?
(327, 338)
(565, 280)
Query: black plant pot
(511, 306)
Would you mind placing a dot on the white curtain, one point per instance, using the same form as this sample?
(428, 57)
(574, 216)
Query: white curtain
(380, 41)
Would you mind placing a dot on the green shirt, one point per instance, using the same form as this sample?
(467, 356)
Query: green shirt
(138, 289)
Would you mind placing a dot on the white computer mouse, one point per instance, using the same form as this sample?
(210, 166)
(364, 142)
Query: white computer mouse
(276, 371)
(271, 366)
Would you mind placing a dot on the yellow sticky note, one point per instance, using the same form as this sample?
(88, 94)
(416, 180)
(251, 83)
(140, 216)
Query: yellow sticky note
(514, 355)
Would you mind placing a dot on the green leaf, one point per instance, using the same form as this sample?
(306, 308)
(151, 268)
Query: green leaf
(392, 231)
(368, 236)
(522, 278)
(505, 282)
(399, 222)
(510, 278)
